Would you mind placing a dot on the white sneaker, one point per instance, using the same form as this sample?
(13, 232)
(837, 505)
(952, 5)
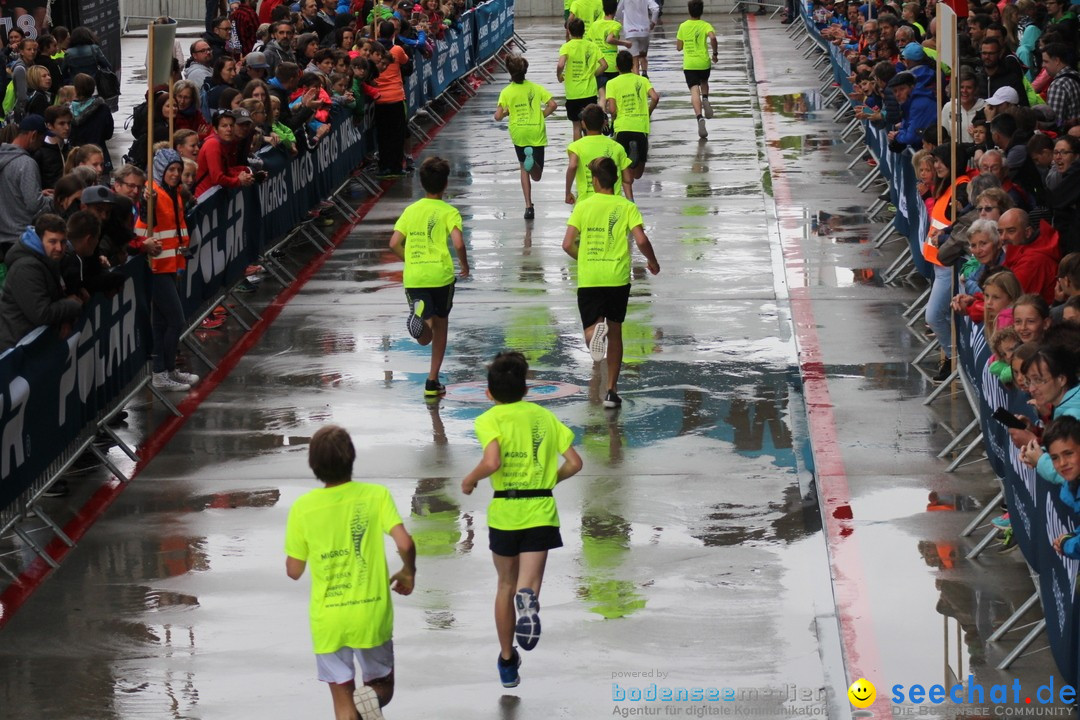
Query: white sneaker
(184, 378)
(367, 703)
(706, 107)
(701, 131)
(162, 381)
(254, 279)
(598, 344)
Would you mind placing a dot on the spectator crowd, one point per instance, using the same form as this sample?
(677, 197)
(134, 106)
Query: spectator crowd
(263, 75)
(1005, 221)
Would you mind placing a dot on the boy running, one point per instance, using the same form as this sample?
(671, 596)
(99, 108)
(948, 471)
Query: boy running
(631, 100)
(588, 11)
(691, 40)
(527, 105)
(605, 35)
(522, 442)
(339, 530)
(584, 150)
(596, 238)
(419, 238)
(579, 64)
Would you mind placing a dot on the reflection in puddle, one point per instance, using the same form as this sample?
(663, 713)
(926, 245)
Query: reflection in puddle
(792, 105)
(434, 518)
(605, 546)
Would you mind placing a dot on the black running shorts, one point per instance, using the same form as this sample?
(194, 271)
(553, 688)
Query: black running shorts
(510, 543)
(438, 301)
(538, 154)
(696, 77)
(574, 107)
(602, 302)
(642, 140)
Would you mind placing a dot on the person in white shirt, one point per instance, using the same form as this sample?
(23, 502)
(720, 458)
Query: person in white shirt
(638, 18)
(970, 103)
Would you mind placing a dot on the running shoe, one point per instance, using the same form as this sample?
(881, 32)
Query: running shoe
(635, 153)
(943, 372)
(415, 323)
(508, 670)
(530, 213)
(367, 703)
(244, 287)
(598, 344)
(433, 389)
(612, 399)
(212, 322)
(162, 381)
(527, 629)
(701, 130)
(530, 161)
(706, 107)
(183, 377)
(1003, 522)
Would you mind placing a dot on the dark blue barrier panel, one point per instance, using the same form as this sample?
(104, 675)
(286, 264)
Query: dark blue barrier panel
(56, 388)
(1037, 514)
(494, 26)
(452, 57)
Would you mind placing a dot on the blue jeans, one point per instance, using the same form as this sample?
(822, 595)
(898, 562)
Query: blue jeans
(167, 320)
(938, 312)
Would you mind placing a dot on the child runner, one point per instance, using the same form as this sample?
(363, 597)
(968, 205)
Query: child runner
(527, 105)
(586, 149)
(604, 34)
(419, 238)
(339, 530)
(691, 40)
(579, 64)
(631, 100)
(522, 442)
(596, 238)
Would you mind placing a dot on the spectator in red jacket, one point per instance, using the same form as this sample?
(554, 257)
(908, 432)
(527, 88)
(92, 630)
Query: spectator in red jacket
(1031, 253)
(218, 164)
(245, 22)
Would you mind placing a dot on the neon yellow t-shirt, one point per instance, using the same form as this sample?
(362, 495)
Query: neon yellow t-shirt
(531, 439)
(526, 101)
(588, 148)
(694, 35)
(339, 532)
(598, 34)
(426, 225)
(579, 74)
(589, 11)
(604, 222)
(631, 95)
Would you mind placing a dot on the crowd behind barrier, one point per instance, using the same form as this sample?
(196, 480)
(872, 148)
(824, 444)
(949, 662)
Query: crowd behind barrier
(1038, 516)
(56, 392)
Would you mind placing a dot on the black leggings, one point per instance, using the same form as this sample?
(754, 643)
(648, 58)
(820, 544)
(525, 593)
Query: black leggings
(167, 322)
(390, 130)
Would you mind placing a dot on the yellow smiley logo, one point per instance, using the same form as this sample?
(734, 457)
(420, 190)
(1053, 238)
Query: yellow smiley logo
(862, 693)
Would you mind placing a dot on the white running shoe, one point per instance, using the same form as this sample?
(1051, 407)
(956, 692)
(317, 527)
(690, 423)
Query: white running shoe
(706, 107)
(702, 132)
(598, 344)
(367, 703)
(184, 378)
(162, 381)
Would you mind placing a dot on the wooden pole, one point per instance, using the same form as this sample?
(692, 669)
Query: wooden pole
(150, 128)
(954, 121)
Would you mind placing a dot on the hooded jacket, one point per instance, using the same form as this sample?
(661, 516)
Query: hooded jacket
(920, 110)
(20, 193)
(33, 294)
(92, 123)
(1035, 265)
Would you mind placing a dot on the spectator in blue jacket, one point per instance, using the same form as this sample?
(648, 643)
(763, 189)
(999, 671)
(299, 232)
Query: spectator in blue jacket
(918, 110)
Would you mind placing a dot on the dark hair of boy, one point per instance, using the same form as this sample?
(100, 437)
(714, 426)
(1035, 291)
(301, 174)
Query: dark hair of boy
(311, 80)
(604, 172)
(57, 112)
(1065, 427)
(610, 6)
(1069, 267)
(324, 54)
(386, 30)
(517, 66)
(576, 28)
(593, 117)
(695, 8)
(331, 454)
(506, 376)
(47, 222)
(434, 175)
(624, 61)
(83, 224)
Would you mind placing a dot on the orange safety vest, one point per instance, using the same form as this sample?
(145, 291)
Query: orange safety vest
(939, 220)
(170, 229)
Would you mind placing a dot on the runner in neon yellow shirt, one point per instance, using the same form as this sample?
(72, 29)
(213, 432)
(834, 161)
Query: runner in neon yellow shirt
(596, 237)
(527, 105)
(692, 38)
(579, 65)
(631, 100)
(522, 443)
(586, 149)
(338, 530)
(588, 11)
(605, 35)
(420, 239)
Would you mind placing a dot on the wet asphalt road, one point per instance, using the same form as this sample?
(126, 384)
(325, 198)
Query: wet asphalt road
(693, 548)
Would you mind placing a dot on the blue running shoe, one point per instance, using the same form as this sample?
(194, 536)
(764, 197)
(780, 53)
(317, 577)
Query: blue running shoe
(508, 670)
(1003, 522)
(528, 622)
(530, 161)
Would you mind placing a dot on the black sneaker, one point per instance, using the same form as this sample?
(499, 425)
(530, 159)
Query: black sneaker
(434, 388)
(635, 153)
(943, 372)
(57, 489)
(508, 670)
(530, 213)
(612, 399)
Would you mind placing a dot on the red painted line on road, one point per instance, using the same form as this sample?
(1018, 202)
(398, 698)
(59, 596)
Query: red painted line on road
(15, 595)
(861, 656)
